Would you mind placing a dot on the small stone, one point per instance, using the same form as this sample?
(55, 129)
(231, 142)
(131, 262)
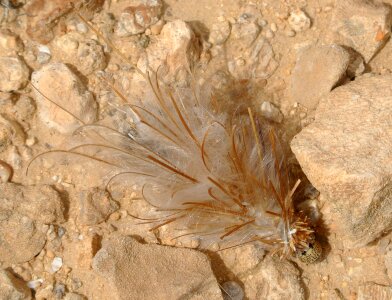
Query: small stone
(176, 48)
(274, 27)
(247, 42)
(43, 16)
(24, 108)
(34, 284)
(13, 288)
(56, 265)
(271, 112)
(85, 54)
(232, 291)
(317, 70)
(5, 172)
(136, 19)
(361, 25)
(95, 206)
(345, 153)
(269, 34)
(176, 272)
(299, 21)
(10, 43)
(157, 27)
(219, 32)
(59, 84)
(14, 74)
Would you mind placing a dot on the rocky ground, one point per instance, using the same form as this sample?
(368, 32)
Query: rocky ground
(321, 69)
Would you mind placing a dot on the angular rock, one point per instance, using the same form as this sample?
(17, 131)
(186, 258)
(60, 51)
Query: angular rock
(20, 237)
(43, 16)
(5, 172)
(362, 25)
(220, 31)
(273, 279)
(251, 54)
(137, 17)
(137, 271)
(347, 152)
(177, 47)
(86, 55)
(12, 288)
(317, 70)
(14, 74)
(95, 206)
(10, 43)
(40, 203)
(299, 21)
(372, 290)
(57, 83)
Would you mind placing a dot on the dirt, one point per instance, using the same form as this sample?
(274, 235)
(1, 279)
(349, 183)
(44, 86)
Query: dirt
(342, 273)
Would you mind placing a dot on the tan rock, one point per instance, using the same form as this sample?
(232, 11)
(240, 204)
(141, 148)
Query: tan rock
(86, 55)
(60, 85)
(137, 17)
(78, 254)
(95, 206)
(273, 279)
(12, 288)
(137, 271)
(10, 43)
(20, 237)
(14, 74)
(251, 55)
(43, 16)
(176, 48)
(362, 25)
(372, 290)
(40, 203)
(317, 70)
(347, 153)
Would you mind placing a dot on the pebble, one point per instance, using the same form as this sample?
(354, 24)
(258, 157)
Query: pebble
(34, 284)
(14, 74)
(271, 112)
(290, 33)
(299, 21)
(232, 291)
(5, 172)
(269, 34)
(56, 265)
(274, 27)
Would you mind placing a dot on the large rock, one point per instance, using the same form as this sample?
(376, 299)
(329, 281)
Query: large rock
(20, 237)
(317, 70)
(273, 279)
(362, 25)
(137, 271)
(62, 98)
(41, 203)
(347, 155)
(12, 288)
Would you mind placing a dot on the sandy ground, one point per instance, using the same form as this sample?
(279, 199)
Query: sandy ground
(75, 230)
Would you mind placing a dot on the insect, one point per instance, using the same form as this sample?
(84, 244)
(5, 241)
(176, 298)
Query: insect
(215, 174)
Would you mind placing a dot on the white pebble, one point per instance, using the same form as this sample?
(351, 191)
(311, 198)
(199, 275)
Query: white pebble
(34, 284)
(274, 27)
(57, 263)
